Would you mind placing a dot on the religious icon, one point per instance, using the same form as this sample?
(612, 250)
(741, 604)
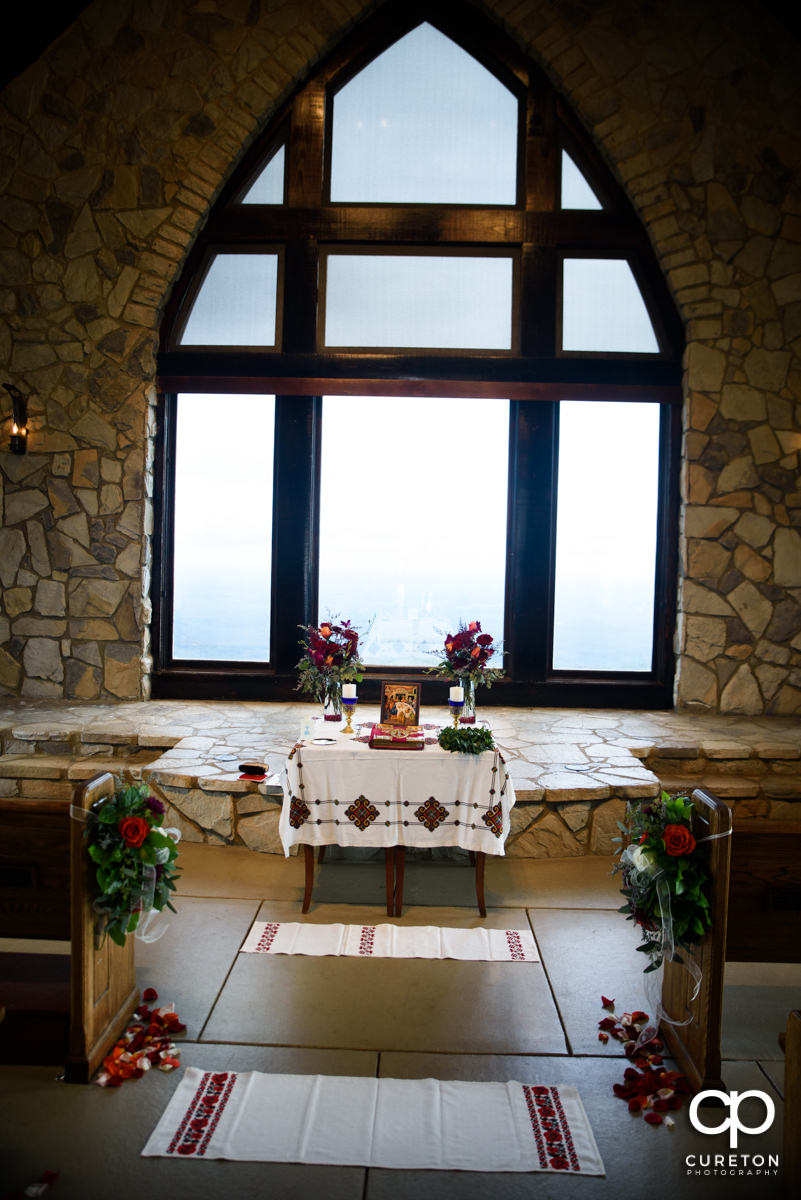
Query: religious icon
(400, 702)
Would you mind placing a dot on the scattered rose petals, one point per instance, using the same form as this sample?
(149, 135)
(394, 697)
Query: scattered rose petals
(607, 1003)
(146, 1043)
(648, 1087)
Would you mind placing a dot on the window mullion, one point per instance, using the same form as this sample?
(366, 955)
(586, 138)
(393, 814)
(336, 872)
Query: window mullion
(295, 524)
(531, 543)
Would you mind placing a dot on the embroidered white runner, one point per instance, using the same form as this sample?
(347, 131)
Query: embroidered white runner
(391, 941)
(402, 1123)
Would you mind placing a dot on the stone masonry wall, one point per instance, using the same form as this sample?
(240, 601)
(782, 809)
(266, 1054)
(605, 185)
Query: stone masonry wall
(114, 145)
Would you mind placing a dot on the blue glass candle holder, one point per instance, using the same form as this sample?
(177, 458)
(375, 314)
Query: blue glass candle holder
(456, 707)
(350, 708)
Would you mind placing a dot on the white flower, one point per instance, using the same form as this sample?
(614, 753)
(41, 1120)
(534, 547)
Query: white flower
(641, 860)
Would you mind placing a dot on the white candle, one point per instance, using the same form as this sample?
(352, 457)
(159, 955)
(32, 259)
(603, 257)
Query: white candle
(457, 693)
(348, 691)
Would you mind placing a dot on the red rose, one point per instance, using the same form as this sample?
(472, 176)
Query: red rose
(484, 639)
(678, 840)
(133, 830)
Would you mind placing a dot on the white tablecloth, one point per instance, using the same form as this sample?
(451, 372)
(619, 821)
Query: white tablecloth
(348, 794)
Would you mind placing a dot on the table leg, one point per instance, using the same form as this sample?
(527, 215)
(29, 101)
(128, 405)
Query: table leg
(308, 856)
(480, 857)
(389, 866)
(400, 867)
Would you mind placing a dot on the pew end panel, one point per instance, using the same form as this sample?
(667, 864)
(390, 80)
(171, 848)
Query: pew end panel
(104, 992)
(696, 1046)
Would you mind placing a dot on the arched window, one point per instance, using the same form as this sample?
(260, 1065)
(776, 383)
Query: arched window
(421, 365)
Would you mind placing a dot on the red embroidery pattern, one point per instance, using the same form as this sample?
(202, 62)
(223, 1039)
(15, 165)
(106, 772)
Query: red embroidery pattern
(367, 940)
(361, 812)
(431, 814)
(267, 938)
(493, 819)
(298, 812)
(515, 944)
(550, 1129)
(201, 1117)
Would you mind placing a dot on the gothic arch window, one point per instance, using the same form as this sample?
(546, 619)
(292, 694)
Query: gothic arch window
(421, 365)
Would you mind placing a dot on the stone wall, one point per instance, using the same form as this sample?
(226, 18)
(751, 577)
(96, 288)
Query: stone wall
(115, 143)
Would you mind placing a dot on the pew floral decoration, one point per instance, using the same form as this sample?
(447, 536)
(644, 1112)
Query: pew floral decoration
(665, 880)
(134, 858)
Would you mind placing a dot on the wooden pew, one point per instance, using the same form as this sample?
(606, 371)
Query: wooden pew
(756, 917)
(696, 1046)
(791, 1144)
(60, 1008)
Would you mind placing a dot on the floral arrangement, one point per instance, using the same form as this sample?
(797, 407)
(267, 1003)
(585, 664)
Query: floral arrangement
(465, 655)
(663, 869)
(471, 740)
(132, 855)
(330, 658)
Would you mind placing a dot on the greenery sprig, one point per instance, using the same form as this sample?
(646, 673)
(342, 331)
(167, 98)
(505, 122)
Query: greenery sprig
(472, 739)
(131, 854)
(660, 846)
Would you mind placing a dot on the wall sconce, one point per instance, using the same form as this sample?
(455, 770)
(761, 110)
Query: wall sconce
(19, 428)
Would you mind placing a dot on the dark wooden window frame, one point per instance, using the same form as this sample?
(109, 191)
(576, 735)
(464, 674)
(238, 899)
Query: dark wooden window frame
(533, 378)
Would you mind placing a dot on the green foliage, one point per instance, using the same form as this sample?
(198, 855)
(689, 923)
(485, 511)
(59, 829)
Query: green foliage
(466, 739)
(133, 857)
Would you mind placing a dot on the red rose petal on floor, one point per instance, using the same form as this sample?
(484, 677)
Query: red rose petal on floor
(603, 1037)
(150, 994)
(653, 1118)
(606, 1002)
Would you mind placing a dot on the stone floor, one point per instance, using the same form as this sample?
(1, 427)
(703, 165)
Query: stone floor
(534, 1022)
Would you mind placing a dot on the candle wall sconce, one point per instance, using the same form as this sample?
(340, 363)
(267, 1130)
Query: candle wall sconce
(19, 427)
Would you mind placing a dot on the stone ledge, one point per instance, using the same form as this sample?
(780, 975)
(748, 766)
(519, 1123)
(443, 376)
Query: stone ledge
(573, 771)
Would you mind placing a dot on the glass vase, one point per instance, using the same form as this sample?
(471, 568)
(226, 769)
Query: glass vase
(332, 700)
(468, 716)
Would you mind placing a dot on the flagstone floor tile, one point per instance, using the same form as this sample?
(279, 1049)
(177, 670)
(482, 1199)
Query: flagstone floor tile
(190, 962)
(640, 1160)
(93, 1137)
(398, 1004)
(587, 954)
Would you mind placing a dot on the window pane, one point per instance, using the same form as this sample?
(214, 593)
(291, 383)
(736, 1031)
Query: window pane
(424, 123)
(413, 519)
(576, 192)
(223, 527)
(268, 188)
(602, 308)
(236, 304)
(418, 300)
(606, 536)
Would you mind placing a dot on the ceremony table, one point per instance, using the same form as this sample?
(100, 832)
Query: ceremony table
(348, 794)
